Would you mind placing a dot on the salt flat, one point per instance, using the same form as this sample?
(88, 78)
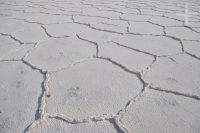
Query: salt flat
(99, 66)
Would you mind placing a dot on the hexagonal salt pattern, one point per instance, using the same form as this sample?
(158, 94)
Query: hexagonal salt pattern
(133, 60)
(99, 66)
(91, 89)
(56, 54)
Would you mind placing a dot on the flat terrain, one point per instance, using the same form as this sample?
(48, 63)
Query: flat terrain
(99, 66)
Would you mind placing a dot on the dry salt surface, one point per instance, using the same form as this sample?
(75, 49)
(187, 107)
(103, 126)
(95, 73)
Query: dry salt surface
(99, 66)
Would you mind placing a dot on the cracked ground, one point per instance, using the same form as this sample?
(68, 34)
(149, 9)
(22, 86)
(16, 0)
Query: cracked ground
(99, 66)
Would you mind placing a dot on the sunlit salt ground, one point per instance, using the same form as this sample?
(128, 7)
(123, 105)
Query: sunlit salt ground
(100, 66)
